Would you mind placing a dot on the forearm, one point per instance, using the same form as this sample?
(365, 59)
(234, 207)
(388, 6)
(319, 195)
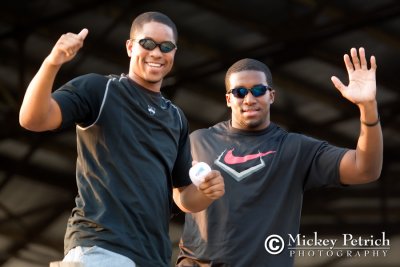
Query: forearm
(369, 152)
(37, 102)
(364, 164)
(190, 199)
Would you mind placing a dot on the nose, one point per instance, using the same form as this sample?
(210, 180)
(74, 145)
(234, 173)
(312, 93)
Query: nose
(156, 52)
(249, 99)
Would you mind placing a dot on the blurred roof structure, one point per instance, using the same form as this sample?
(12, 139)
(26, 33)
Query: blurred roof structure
(302, 41)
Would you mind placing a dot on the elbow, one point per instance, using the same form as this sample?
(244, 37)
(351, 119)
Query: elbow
(361, 178)
(375, 176)
(372, 176)
(28, 122)
(24, 122)
(178, 197)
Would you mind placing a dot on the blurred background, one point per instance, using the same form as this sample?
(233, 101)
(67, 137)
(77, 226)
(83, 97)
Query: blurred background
(302, 41)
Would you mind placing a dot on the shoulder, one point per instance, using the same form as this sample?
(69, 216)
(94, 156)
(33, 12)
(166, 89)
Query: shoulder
(199, 133)
(88, 89)
(219, 128)
(302, 138)
(90, 82)
(302, 142)
(91, 78)
(298, 140)
(178, 112)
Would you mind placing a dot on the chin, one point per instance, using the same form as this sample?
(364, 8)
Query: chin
(254, 124)
(153, 79)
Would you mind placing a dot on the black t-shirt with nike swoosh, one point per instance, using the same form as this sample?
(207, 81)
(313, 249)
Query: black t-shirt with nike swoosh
(266, 173)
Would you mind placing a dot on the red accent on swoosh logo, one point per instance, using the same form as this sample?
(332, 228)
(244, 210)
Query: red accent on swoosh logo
(231, 159)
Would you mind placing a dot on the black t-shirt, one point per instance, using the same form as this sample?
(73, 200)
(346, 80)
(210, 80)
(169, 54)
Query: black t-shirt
(266, 173)
(133, 147)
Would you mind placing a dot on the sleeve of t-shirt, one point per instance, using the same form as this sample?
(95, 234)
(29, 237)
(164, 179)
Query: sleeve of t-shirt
(80, 99)
(183, 162)
(324, 164)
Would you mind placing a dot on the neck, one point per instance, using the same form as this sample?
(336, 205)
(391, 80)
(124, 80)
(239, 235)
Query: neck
(151, 86)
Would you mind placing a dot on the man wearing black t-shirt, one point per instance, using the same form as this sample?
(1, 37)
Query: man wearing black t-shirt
(133, 149)
(267, 169)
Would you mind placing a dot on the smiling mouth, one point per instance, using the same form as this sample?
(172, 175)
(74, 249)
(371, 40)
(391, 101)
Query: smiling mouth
(154, 65)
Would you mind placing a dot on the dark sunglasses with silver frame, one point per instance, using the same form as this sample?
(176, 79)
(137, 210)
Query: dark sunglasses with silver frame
(257, 90)
(149, 44)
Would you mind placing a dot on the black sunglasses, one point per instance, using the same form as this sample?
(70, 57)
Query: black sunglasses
(256, 91)
(149, 44)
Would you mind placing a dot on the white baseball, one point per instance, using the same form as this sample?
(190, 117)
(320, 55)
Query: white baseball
(198, 172)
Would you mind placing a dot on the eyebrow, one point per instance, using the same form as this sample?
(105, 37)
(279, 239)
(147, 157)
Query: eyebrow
(242, 86)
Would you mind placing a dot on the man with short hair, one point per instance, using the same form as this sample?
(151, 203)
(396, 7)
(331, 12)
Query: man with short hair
(133, 149)
(267, 169)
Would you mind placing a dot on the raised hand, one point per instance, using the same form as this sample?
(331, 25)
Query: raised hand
(362, 82)
(66, 47)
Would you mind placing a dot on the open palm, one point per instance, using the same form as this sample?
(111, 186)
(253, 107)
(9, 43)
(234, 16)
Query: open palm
(362, 82)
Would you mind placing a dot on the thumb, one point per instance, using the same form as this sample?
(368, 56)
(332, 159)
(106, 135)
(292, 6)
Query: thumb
(84, 32)
(194, 162)
(337, 83)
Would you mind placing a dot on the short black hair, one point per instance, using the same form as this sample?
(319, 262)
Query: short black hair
(248, 64)
(151, 16)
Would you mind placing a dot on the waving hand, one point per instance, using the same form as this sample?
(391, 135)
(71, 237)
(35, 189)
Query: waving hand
(362, 82)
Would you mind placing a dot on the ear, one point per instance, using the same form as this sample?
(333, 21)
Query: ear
(272, 96)
(228, 100)
(129, 46)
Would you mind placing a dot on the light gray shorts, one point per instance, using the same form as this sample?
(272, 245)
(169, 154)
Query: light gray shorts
(97, 257)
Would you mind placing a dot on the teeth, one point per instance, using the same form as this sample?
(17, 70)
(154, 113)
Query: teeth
(154, 65)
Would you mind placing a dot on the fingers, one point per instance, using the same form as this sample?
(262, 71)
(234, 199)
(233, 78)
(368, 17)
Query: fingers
(348, 63)
(352, 62)
(354, 58)
(363, 60)
(373, 63)
(213, 186)
(358, 61)
(70, 43)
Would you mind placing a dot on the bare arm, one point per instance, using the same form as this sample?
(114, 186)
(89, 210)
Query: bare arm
(39, 111)
(363, 164)
(193, 199)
